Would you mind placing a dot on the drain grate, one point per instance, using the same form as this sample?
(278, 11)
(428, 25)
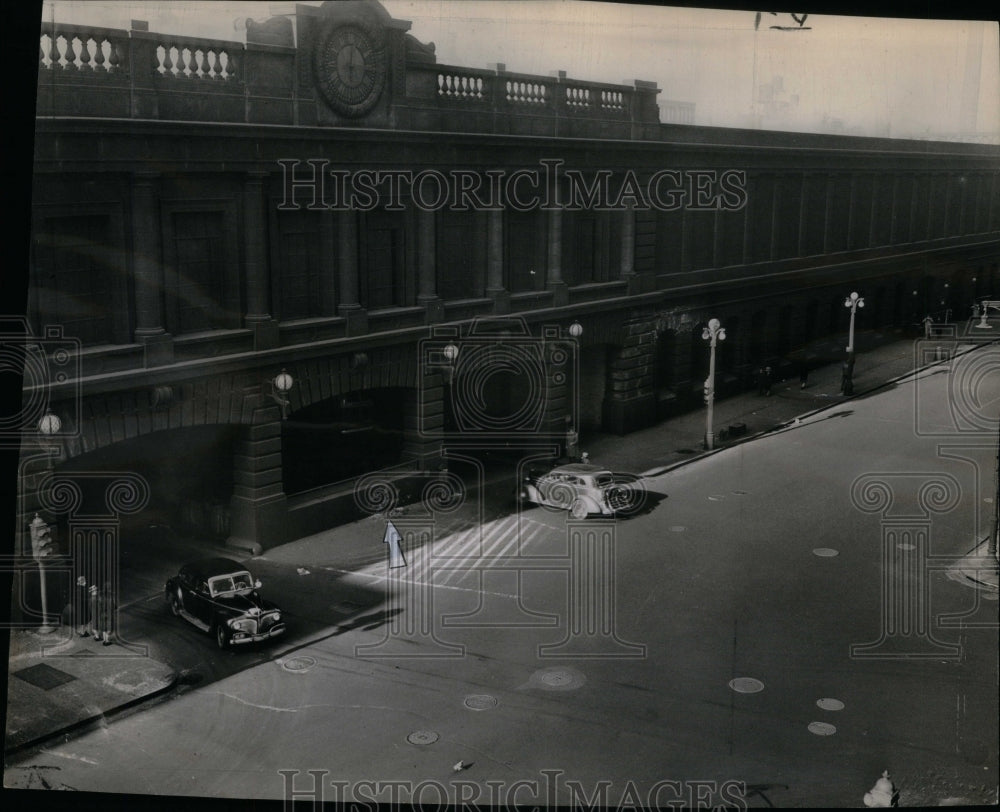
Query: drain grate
(44, 676)
(830, 704)
(684, 450)
(480, 702)
(825, 552)
(84, 652)
(822, 729)
(346, 607)
(422, 737)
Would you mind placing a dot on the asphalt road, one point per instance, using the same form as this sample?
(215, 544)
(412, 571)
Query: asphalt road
(780, 629)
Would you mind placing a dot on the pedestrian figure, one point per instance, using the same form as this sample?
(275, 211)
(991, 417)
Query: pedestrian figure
(846, 384)
(80, 614)
(572, 440)
(759, 374)
(90, 606)
(106, 615)
(803, 374)
(767, 381)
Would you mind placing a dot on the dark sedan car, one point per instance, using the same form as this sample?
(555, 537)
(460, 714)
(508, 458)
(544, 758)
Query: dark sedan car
(219, 596)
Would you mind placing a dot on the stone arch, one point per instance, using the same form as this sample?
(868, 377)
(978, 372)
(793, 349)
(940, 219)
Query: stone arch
(106, 419)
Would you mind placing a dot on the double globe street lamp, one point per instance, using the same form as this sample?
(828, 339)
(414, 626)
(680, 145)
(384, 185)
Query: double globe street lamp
(852, 302)
(713, 333)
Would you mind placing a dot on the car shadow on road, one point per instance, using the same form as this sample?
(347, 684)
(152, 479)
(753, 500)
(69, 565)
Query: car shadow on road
(644, 503)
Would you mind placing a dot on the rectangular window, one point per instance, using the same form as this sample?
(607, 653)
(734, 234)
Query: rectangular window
(298, 268)
(461, 254)
(525, 250)
(73, 277)
(200, 284)
(383, 270)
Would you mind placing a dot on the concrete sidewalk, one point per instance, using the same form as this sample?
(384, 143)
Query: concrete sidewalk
(57, 683)
(681, 438)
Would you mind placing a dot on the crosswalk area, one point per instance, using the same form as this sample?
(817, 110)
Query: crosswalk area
(457, 559)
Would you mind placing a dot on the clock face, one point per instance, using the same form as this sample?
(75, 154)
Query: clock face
(350, 68)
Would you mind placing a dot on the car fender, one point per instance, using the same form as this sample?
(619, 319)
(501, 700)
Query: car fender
(531, 493)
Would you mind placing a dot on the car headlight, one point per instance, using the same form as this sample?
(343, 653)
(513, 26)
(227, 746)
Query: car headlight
(238, 624)
(276, 616)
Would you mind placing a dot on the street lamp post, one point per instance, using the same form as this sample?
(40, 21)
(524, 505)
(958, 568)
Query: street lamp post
(713, 334)
(852, 302)
(49, 425)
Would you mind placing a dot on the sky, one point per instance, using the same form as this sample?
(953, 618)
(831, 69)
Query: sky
(873, 76)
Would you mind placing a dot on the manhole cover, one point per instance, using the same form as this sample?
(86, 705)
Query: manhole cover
(746, 685)
(907, 546)
(716, 497)
(825, 552)
(559, 679)
(44, 676)
(740, 493)
(298, 664)
(422, 737)
(678, 528)
(830, 704)
(480, 702)
(822, 729)
(346, 607)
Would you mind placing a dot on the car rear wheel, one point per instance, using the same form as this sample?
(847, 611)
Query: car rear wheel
(579, 509)
(175, 604)
(221, 637)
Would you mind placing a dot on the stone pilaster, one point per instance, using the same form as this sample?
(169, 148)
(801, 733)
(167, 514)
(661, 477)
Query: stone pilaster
(426, 267)
(494, 263)
(350, 306)
(256, 271)
(258, 504)
(147, 267)
(630, 402)
(553, 279)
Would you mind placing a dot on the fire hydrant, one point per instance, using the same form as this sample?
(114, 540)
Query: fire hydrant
(884, 793)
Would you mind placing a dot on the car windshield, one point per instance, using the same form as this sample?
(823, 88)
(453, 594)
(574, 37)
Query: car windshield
(604, 480)
(231, 583)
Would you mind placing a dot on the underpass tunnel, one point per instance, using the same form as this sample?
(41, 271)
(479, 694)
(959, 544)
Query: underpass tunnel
(123, 514)
(343, 437)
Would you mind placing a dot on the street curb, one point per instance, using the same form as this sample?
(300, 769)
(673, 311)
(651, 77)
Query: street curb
(805, 415)
(90, 720)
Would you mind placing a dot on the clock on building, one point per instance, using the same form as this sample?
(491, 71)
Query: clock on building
(350, 65)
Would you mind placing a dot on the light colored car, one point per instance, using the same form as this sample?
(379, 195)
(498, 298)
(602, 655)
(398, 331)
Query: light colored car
(582, 489)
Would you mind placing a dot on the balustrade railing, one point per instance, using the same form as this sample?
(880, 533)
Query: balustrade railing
(82, 48)
(464, 86)
(192, 58)
(151, 62)
(530, 91)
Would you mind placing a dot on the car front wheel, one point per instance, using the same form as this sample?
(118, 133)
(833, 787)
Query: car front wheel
(175, 604)
(221, 637)
(579, 510)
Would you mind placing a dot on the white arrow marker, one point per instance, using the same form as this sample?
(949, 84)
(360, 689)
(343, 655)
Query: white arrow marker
(392, 538)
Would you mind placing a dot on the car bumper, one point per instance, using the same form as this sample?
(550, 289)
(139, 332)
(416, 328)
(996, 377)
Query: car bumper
(236, 638)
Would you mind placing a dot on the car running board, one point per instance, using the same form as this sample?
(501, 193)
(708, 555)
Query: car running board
(192, 619)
